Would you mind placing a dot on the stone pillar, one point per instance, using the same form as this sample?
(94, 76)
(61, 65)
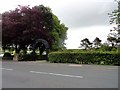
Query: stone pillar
(16, 57)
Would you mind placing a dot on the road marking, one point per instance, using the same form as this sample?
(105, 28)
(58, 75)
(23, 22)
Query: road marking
(6, 69)
(57, 74)
(74, 65)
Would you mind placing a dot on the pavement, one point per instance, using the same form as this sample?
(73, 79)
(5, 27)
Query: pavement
(53, 75)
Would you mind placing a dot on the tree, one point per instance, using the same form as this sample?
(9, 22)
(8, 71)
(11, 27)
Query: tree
(86, 44)
(114, 36)
(97, 42)
(112, 40)
(59, 32)
(105, 47)
(22, 26)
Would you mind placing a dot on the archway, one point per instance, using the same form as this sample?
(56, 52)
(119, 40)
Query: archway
(36, 44)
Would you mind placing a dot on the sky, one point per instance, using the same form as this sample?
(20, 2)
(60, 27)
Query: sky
(84, 18)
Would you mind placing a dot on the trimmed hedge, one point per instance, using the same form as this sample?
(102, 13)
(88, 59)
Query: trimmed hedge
(85, 58)
(29, 57)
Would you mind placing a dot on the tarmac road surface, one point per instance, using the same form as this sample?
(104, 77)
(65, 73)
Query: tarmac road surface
(50, 75)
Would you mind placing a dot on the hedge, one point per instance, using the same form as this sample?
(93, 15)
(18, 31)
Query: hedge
(29, 57)
(85, 58)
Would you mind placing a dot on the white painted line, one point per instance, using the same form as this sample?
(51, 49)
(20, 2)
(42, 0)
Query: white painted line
(57, 74)
(6, 69)
(75, 65)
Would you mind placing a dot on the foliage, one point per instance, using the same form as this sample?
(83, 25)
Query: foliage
(114, 36)
(29, 57)
(118, 50)
(105, 47)
(97, 42)
(86, 44)
(7, 56)
(26, 57)
(59, 32)
(22, 26)
(85, 58)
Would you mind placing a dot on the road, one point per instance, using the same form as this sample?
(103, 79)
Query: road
(50, 75)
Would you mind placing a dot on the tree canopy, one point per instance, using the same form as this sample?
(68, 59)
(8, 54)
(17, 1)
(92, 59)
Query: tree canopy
(22, 26)
(97, 42)
(86, 44)
(114, 36)
(59, 33)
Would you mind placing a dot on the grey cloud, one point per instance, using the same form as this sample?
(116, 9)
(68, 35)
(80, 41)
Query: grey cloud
(86, 14)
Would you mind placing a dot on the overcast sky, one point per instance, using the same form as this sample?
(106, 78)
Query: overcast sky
(84, 18)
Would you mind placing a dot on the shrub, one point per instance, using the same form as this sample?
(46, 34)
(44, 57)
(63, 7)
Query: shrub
(29, 57)
(85, 58)
(41, 57)
(7, 56)
(26, 57)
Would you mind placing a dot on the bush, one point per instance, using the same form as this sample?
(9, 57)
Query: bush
(85, 58)
(26, 57)
(7, 56)
(29, 57)
(118, 49)
(41, 57)
(106, 48)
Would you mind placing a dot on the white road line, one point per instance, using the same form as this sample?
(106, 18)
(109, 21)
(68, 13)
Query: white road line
(6, 69)
(57, 74)
(74, 65)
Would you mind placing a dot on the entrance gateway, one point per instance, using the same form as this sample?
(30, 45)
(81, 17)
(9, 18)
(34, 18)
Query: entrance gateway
(46, 45)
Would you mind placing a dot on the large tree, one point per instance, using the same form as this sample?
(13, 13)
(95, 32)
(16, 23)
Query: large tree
(112, 41)
(86, 44)
(114, 35)
(22, 26)
(97, 42)
(59, 33)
